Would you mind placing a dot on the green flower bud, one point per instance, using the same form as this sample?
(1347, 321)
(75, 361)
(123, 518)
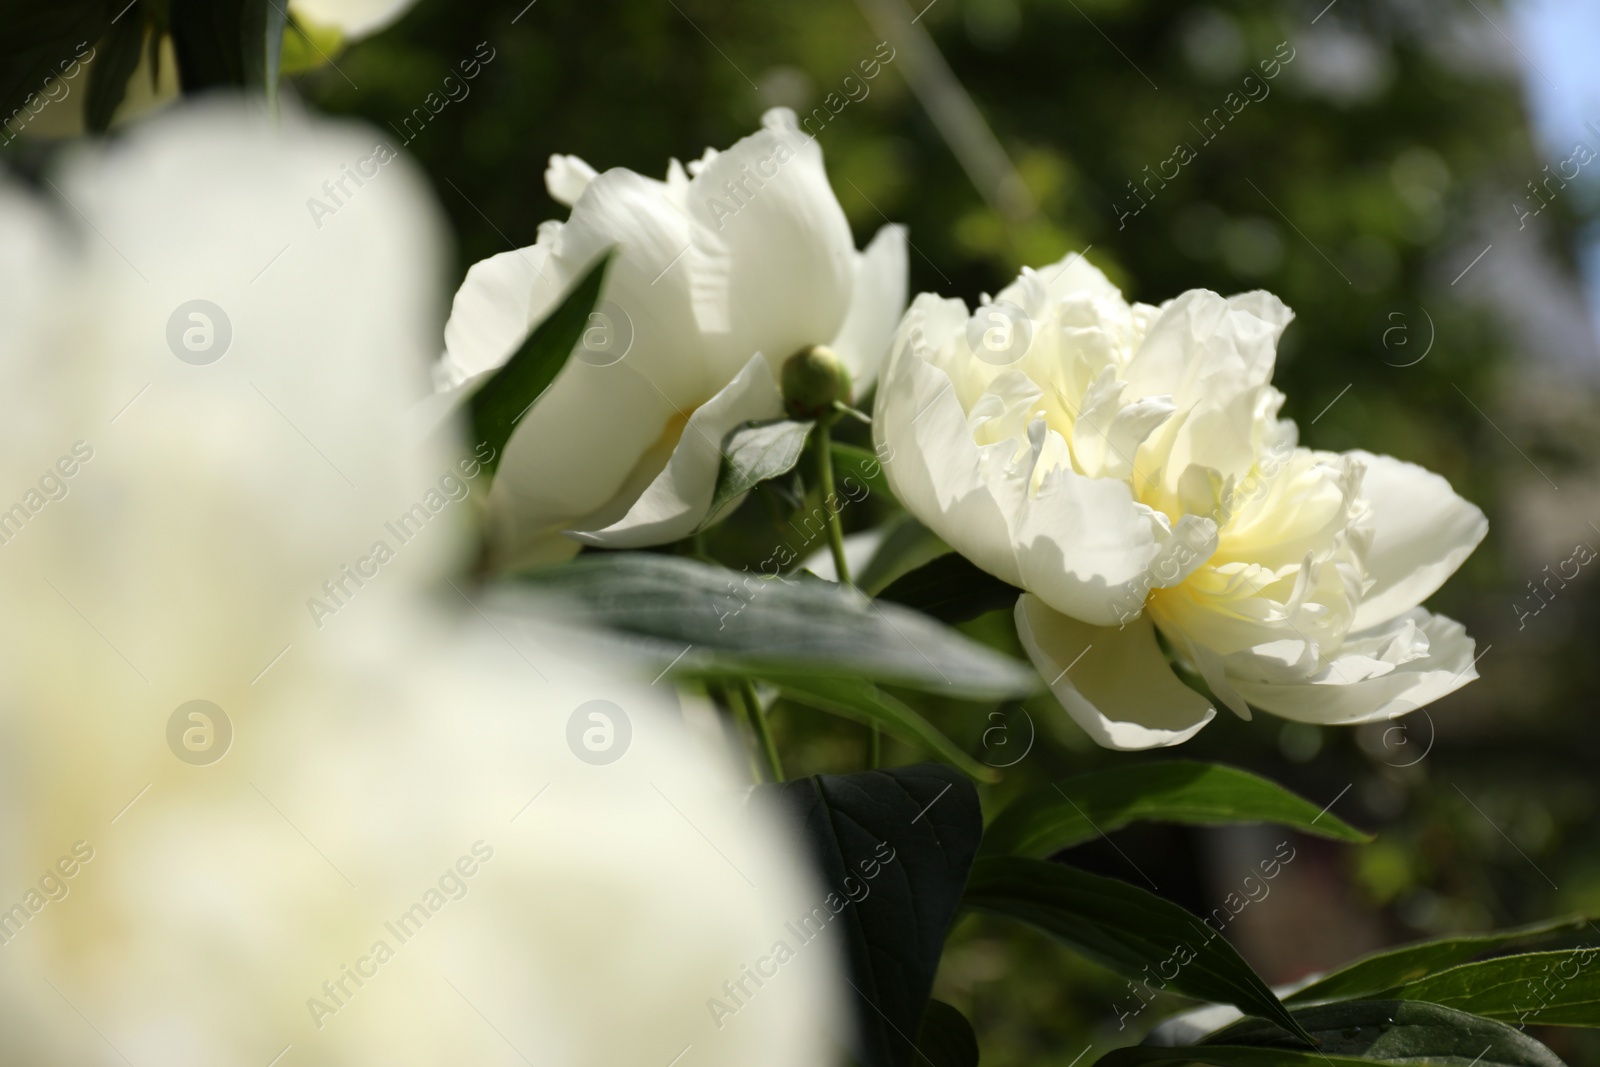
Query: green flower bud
(813, 379)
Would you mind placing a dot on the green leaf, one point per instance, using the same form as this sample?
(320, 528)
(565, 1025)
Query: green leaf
(951, 589)
(1361, 1032)
(1383, 971)
(507, 394)
(264, 54)
(865, 703)
(1074, 810)
(117, 57)
(753, 453)
(1542, 988)
(1236, 1056)
(42, 40)
(225, 42)
(893, 848)
(852, 461)
(946, 1038)
(907, 545)
(703, 619)
(1119, 926)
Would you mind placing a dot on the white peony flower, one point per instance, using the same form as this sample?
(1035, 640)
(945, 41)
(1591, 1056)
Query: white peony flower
(1124, 464)
(722, 271)
(391, 839)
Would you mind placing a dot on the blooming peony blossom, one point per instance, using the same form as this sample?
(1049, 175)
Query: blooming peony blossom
(1124, 464)
(392, 836)
(722, 271)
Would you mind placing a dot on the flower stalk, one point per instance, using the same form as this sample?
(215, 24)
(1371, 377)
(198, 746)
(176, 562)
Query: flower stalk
(758, 723)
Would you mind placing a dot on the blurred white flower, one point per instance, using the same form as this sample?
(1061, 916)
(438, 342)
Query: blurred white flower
(722, 272)
(384, 841)
(1124, 464)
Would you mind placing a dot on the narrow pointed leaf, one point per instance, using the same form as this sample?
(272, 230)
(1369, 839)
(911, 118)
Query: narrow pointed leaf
(1123, 928)
(1388, 1031)
(1383, 971)
(1079, 809)
(698, 618)
(225, 42)
(1361, 1032)
(505, 395)
(1536, 988)
(117, 56)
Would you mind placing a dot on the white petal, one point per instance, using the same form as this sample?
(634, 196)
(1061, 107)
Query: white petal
(677, 500)
(648, 283)
(1421, 532)
(1072, 276)
(772, 262)
(566, 178)
(1358, 686)
(1115, 683)
(577, 453)
(353, 18)
(1084, 546)
(492, 311)
(1213, 357)
(932, 463)
(877, 301)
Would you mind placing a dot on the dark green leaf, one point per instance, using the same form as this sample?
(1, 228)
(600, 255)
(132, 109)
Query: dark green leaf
(893, 848)
(1075, 810)
(1122, 927)
(906, 545)
(946, 1038)
(1238, 1056)
(42, 40)
(753, 453)
(1386, 970)
(507, 394)
(1358, 1032)
(216, 42)
(865, 703)
(951, 589)
(702, 619)
(118, 57)
(1543, 988)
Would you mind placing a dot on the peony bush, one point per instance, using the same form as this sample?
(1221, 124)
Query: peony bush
(382, 686)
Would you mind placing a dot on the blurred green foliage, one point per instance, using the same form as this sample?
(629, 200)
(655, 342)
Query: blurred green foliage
(1354, 188)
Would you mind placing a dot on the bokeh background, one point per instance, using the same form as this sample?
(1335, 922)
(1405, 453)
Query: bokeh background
(1405, 182)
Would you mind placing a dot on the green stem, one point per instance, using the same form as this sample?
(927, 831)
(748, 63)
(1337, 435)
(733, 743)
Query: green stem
(725, 703)
(824, 443)
(758, 722)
